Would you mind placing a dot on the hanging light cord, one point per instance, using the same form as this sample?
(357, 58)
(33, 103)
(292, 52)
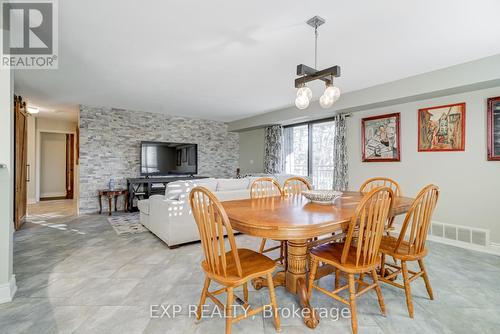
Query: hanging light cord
(316, 47)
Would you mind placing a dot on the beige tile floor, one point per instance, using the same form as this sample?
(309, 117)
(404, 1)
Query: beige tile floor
(75, 275)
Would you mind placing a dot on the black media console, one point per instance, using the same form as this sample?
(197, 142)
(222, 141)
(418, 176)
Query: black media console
(142, 188)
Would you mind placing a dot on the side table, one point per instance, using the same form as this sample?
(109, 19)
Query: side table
(110, 194)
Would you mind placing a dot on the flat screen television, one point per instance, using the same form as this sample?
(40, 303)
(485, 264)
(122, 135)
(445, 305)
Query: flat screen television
(168, 158)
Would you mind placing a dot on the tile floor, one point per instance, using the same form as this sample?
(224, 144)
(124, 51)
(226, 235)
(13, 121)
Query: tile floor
(75, 275)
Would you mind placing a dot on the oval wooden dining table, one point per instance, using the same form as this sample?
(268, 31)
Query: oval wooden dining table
(296, 220)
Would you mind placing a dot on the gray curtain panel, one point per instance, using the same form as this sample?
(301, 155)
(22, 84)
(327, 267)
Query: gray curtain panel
(340, 170)
(273, 150)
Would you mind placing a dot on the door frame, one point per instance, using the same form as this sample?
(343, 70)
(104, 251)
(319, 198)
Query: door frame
(38, 160)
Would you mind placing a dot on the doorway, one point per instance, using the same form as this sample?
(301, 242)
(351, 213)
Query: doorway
(57, 158)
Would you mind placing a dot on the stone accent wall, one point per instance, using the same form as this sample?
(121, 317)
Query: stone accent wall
(110, 147)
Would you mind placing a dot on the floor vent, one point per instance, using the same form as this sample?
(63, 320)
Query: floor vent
(474, 236)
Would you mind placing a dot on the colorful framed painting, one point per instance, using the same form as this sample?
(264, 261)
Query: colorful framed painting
(494, 128)
(441, 128)
(380, 138)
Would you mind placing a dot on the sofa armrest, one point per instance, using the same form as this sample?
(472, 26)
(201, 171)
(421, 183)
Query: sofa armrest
(157, 196)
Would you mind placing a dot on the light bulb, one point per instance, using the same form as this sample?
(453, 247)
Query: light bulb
(33, 110)
(305, 91)
(326, 101)
(333, 92)
(302, 102)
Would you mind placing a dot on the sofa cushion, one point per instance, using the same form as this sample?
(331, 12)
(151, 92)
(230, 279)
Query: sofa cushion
(143, 206)
(177, 189)
(209, 183)
(251, 179)
(232, 195)
(231, 184)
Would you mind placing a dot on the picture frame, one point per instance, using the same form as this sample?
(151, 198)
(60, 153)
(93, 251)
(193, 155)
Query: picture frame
(442, 128)
(493, 117)
(380, 138)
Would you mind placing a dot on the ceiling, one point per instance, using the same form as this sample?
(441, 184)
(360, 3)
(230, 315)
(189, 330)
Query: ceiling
(227, 60)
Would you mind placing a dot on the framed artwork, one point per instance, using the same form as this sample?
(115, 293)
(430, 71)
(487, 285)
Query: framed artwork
(442, 128)
(179, 157)
(494, 128)
(380, 138)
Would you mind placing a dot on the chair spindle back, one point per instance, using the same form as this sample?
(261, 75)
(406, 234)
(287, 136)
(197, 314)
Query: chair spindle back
(296, 185)
(367, 226)
(376, 182)
(213, 223)
(265, 187)
(418, 219)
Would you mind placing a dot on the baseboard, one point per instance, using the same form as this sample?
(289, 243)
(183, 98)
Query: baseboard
(8, 290)
(31, 201)
(492, 248)
(53, 194)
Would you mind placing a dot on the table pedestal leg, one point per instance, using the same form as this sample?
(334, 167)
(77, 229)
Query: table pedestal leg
(278, 280)
(296, 278)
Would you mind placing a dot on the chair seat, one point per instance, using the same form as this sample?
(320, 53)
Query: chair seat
(388, 246)
(253, 265)
(332, 253)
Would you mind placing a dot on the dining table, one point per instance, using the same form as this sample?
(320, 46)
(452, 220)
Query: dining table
(302, 224)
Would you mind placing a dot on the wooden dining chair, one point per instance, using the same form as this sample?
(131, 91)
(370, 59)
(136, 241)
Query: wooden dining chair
(382, 182)
(410, 245)
(268, 187)
(376, 182)
(359, 254)
(232, 268)
(296, 185)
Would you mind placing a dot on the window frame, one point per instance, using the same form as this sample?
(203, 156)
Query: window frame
(310, 139)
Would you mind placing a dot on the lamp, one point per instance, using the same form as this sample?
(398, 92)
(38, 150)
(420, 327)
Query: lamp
(308, 74)
(33, 110)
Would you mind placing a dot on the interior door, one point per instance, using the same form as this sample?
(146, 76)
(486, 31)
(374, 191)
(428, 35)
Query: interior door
(70, 171)
(21, 158)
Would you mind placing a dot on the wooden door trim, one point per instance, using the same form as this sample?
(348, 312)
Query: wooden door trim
(20, 161)
(70, 166)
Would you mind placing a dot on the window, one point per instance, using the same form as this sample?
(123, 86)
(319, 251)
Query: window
(308, 151)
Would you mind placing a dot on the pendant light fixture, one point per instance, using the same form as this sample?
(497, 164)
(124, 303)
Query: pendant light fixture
(307, 74)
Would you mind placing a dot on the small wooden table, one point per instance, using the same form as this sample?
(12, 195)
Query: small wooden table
(296, 220)
(110, 194)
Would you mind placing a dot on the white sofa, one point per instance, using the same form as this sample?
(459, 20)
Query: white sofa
(169, 216)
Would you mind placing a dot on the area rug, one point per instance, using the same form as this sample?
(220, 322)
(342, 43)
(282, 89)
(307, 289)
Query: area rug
(127, 224)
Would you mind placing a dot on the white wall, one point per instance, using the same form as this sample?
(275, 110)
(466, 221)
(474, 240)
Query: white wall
(52, 164)
(470, 185)
(252, 151)
(7, 278)
(44, 124)
(479, 74)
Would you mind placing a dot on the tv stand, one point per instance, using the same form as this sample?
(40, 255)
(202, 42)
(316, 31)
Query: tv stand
(143, 187)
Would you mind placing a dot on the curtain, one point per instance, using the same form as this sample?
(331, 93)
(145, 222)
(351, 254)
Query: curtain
(288, 150)
(273, 150)
(340, 165)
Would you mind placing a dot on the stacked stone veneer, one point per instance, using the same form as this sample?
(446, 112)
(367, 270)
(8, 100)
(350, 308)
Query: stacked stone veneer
(110, 147)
